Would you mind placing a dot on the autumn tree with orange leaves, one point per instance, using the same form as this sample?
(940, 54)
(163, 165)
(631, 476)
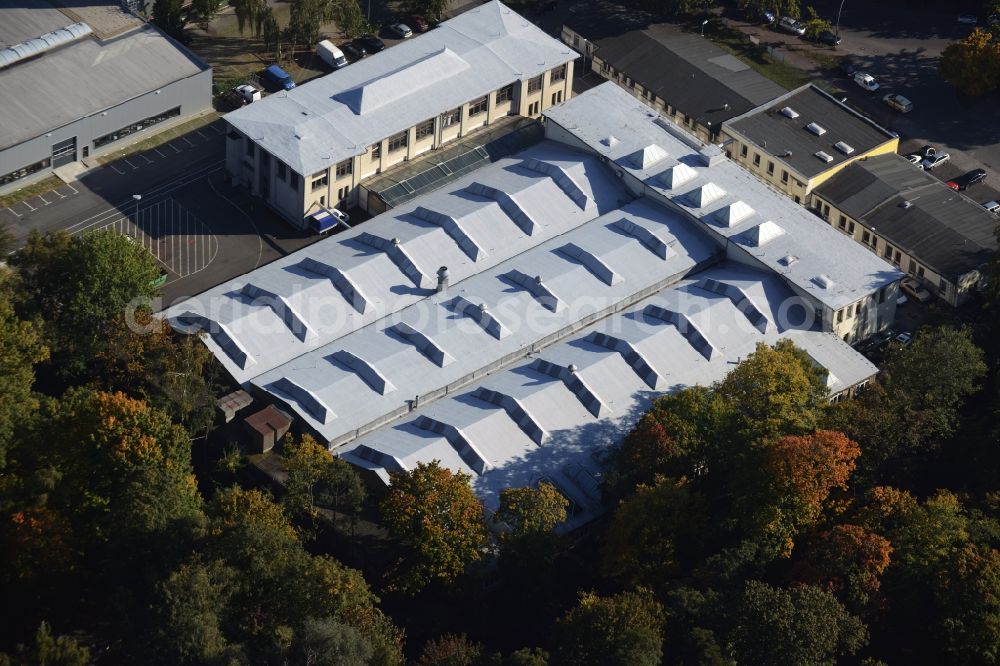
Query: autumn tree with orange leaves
(438, 522)
(973, 65)
(849, 561)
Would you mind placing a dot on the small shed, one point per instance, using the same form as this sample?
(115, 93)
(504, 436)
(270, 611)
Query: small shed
(233, 402)
(266, 428)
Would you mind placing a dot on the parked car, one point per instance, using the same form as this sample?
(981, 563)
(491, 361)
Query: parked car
(916, 160)
(915, 290)
(848, 66)
(354, 51)
(866, 81)
(330, 54)
(400, 30)
(278, 78)
(791, 26)
(936, 160)
(968, 19)
(830, 38)
(418, 23)
(967, 180)
(248, 93)
(371, 43)
(993, 207)
(925, 151)
(898, 102)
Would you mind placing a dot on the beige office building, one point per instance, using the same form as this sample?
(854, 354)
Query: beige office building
(307, 150)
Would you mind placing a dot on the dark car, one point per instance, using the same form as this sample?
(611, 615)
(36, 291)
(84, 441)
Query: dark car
(848, 66)
(418, 23)
(371, 43)
(828, 37)
(966, 181)
(353, 50)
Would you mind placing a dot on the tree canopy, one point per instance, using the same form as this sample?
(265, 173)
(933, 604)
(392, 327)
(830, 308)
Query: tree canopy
(972, 65)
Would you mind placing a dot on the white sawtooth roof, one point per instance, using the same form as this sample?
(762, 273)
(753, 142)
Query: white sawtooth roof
(339, 115)
(855, 271)
(545, 431)
(262, 330)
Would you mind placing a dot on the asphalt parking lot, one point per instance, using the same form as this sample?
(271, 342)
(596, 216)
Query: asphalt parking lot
(200, 229)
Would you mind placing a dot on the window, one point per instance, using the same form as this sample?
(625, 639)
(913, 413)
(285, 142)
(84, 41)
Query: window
(17, 174)
(743, 151)
(943, 286)
(320, 181)
(425, 129)
(533, 108)
(293, 180)
(826, 212)
(865, 237)
(342, 193)
(896, 257)
(784, 177)
(345, 168)
(478, 107)
(558, 74)
(797, 199)
(770, 168)
(376, 151)
(888, 251)
(920, 271)
(843, 222)
(557, 97)
(840, 316)
(850, 228)
(505, 94)
(452, 117)
(282, 169)
(139, 126)
(535, 84)
(756, 160)
(605, 69)
(398, 142)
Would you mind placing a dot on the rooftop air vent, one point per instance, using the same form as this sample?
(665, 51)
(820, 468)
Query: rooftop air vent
(826, 157)
(788, 260)
(843, 147)
(789, 112)
(610, 141)
(905, 204)
(818, 130)
(824, 281)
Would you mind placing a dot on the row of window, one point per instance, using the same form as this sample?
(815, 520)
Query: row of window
(17, 174)
(136, 127)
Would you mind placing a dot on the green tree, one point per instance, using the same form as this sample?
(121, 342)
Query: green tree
(815, 25)
(204, 11)
(849, 561)
(194, 601)
(967, 591)
(350, 19)
(81, 286)
(530, 511)
(431, 8)
(804, 625)
(316, 478)
(621, 630)
(251, 13)
(6, 240)
(779, 7)
(327, 642)
(169, 16)
(972, 66)
(305, 19)
(656, 534)
(21, 348)
(433, 514)
(48, 650)
(451, 650)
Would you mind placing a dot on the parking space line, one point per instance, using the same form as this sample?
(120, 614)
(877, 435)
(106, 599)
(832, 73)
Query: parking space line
(112, 165)
(125, 160)
(218, 130)
(59, 194)
(29, 205)
(143, 156)
(198, 132)
(176, 149)
(188, 141)
(158, 152)
(75, 191)
(12, 210)
(46, 202)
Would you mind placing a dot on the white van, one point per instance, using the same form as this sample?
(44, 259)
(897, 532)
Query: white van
(331, 55)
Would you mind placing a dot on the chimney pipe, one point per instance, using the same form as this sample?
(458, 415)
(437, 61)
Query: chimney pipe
(442, 279)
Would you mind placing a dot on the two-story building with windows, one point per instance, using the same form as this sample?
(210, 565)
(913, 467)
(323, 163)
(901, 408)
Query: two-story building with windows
(307, 149)
(801, 139)
(913, 220)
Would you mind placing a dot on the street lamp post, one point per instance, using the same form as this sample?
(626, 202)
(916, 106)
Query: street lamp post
(838, 17)
(138, 198)
(703, 24)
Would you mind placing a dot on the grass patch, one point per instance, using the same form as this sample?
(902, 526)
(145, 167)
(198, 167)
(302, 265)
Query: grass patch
(41, 187)
(160, 138)
(735, 42)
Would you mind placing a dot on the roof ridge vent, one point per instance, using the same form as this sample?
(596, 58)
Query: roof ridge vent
(845, 148)
(826, 157)
(824, 281)
(678, 175)
(816, 129)
(763, 233)
(647, 156)
(705, 194)
(789, 112)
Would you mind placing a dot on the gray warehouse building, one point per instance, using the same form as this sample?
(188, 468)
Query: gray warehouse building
(72, 88)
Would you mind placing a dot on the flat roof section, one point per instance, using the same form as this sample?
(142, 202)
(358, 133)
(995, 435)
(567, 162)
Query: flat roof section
(84, 78)
(29, 19)
(339, 115)
(726, 199)
(806, 121)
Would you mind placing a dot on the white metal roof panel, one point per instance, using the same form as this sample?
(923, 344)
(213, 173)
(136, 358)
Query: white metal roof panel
(339, 115)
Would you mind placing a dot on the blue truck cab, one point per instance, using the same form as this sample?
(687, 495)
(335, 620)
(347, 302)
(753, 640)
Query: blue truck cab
(278, 78)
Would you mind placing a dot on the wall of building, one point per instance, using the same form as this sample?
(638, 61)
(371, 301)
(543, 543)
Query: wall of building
(193, 95)
(342, 191)
(952, 290)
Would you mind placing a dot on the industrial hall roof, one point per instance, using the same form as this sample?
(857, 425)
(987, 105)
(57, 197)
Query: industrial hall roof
(511, 324)
(810, 131)
(80, 75)
(749, 217)
(916, 212)
(339, 115)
